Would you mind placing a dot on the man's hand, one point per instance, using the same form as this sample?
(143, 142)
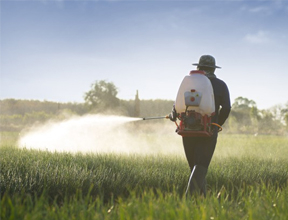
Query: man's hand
(173, 114)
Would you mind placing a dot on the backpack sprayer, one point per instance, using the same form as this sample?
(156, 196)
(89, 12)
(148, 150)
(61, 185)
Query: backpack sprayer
(194, 106)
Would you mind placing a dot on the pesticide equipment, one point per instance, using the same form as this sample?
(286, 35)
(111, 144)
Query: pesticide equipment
(160, 117)
(194, 106)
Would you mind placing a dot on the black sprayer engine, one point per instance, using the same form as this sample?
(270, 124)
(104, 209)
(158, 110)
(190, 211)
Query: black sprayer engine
(193, 124)
(192, 120)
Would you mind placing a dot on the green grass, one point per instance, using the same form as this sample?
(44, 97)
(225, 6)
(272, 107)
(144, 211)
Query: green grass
(261, 146)
(249, 181)
(8, 138)
(251, 203)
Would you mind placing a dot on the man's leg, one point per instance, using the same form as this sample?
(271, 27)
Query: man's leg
(199, 152)
(197, 181)
(190, 144)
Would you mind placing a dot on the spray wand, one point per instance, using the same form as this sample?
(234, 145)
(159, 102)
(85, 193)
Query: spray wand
(150, 118)
(160, 117)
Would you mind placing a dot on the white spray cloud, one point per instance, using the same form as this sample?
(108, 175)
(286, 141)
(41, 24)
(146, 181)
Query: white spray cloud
(104, 134)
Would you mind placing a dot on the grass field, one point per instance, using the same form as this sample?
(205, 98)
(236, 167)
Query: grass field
(247, 179)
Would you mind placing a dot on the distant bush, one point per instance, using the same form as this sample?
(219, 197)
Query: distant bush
(21, 107)
(245, 117)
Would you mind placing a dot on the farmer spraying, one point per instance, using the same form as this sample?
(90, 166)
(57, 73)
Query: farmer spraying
(197, 106)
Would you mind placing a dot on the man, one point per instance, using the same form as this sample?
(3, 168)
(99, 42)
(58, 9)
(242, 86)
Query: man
(199, 150)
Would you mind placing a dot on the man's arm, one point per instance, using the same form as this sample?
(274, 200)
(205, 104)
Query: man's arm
(225, 106)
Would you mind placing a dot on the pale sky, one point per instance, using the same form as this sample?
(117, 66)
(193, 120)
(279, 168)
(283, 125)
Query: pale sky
(54, 50)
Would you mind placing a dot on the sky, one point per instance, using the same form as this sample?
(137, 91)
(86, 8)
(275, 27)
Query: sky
(55, 50)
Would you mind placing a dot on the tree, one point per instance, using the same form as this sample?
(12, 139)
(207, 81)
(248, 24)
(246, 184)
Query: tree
(245, 114)
(284, 114)
(137, 105)
(102, 95)
(243, 103)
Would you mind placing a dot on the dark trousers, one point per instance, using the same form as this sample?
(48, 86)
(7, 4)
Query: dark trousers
(199, 150)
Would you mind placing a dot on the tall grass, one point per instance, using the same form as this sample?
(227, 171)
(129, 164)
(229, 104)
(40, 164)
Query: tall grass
(250, 203)
(44, 185)
(63, 173)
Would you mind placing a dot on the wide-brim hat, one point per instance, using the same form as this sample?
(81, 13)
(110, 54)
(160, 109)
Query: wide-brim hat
(208, 61)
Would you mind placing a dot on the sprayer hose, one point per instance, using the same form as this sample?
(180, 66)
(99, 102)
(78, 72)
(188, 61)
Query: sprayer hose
(219, 127)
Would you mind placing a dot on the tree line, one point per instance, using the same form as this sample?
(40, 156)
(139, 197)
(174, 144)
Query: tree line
(245, 117)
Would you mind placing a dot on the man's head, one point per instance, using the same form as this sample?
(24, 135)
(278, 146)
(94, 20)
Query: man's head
(206, 63)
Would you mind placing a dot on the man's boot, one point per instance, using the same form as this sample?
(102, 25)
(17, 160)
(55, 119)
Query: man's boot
(197, 181)
(203, 189)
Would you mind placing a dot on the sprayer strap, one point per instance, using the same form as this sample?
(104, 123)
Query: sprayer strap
(176, 124)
